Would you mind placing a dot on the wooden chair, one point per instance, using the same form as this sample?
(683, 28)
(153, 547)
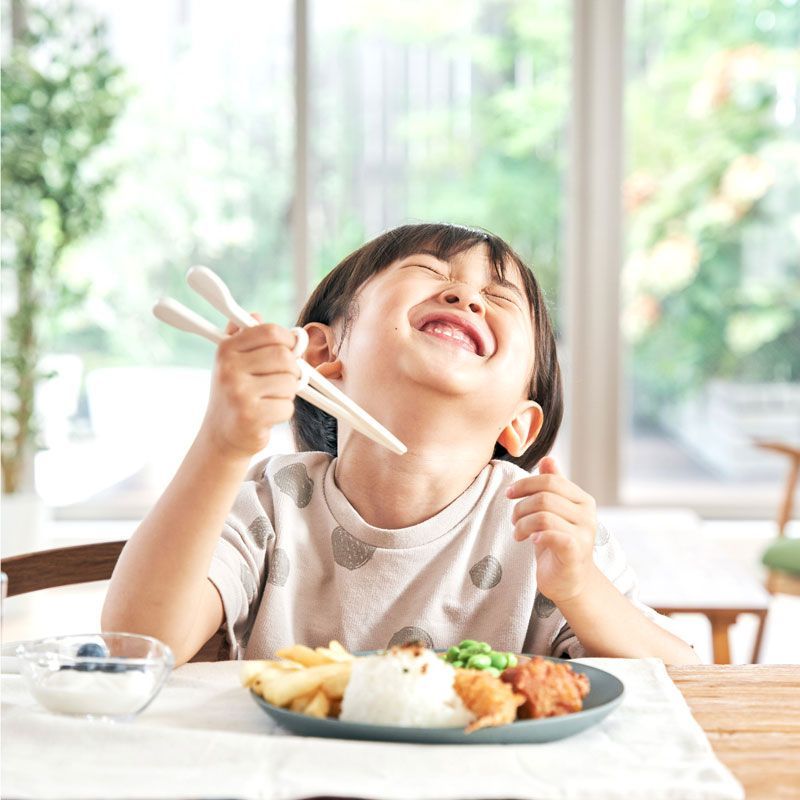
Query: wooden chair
(793, 452)
(65, 566)
(780, 579)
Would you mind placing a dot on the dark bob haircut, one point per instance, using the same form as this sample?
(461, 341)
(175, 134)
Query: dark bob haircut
(332, 301)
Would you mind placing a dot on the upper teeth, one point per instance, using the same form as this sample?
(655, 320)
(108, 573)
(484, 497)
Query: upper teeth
(450, 330)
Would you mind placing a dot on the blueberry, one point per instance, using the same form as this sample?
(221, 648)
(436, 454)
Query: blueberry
(91, 666)
(66, 666)
(113, 667)
(92, 650)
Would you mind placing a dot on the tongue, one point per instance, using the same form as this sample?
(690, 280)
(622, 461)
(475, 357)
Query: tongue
(458, 335)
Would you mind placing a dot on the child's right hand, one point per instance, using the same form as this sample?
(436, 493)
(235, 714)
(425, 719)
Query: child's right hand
(253, 387)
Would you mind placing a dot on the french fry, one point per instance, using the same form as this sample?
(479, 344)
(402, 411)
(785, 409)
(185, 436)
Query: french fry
(334, 656)
(307, 681)
(280, 688)
(337, 647)
(252, 669)
(303, 655)
(319, 706)
(335, 685)
(285, 664)
(300, 703)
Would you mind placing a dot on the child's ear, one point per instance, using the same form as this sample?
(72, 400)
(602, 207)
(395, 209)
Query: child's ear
(321, 350)
(522, 431)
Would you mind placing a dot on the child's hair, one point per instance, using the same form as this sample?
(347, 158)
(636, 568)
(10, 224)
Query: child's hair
(333, 300)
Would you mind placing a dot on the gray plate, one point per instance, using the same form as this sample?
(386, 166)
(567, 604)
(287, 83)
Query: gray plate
(604, 696)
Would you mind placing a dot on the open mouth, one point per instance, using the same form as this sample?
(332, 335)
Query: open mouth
(452, 330)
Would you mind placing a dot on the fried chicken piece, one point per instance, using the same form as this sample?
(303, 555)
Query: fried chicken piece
(487, 697)
(551, 689)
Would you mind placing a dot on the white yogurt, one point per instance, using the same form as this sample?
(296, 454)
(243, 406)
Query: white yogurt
(70, 691)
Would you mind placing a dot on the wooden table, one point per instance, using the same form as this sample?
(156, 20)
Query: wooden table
(751, 715)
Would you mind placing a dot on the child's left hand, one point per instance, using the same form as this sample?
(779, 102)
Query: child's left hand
(561, 519)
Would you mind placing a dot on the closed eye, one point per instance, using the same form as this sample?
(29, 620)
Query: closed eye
(430, 269)
(503, 297)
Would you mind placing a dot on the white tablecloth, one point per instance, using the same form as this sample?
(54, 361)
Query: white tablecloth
(204, 737)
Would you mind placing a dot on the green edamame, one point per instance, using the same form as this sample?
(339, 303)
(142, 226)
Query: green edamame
(472, 654)
(499, 660)
(479, 661)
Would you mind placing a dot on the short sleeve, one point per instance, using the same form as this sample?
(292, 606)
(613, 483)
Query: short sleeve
(239, 564)
(610, 558)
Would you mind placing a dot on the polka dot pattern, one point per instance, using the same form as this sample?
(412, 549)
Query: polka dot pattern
(248, 583)
(487, 573)
(410, 634)
(261, 531)
(279, 567)
(349, 552)
(294, 481)
(543, 606)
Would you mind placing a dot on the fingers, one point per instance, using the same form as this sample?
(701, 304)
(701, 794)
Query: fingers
(557, 484)
(548, 466)
(243, 340)
(562, 545)
(548, 501)
(263, 335)
(278, 386)
(541, 521)
(269, 360)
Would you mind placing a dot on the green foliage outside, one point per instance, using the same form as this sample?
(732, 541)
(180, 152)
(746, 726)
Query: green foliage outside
(711, 283)
(711, 287)
(61, 92)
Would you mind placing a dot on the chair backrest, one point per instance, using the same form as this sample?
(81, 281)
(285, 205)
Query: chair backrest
(64, 566)
(793, 452)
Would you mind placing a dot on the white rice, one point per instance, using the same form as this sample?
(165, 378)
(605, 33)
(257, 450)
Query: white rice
(406, 686)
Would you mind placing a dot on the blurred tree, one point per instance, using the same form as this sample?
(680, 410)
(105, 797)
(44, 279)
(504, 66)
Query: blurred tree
(712, 282)
(61, 92)
(472, 108)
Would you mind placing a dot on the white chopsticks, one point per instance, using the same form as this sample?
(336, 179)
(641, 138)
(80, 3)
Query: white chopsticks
(313, 387)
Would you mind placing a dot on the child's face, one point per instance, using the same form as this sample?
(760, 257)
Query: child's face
(446, 329)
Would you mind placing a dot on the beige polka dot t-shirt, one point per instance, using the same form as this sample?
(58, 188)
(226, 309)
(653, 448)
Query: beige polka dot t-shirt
(296, 563)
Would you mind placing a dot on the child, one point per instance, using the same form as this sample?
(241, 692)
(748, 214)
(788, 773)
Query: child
(441, 333)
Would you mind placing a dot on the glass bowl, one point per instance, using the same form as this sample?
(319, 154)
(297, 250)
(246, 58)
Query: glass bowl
(99, 675)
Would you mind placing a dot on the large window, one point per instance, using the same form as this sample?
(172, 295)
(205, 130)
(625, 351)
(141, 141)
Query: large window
(204, 156)
(711, 280)
(460, 119)
(455, 111)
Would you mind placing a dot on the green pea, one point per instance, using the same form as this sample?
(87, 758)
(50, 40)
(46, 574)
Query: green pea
(512, 659)
(452, 654)
(458, 663)
(467, 643)
(492, 671)
(471, 651)
(480, 661)
(499, 660)
(485, 647)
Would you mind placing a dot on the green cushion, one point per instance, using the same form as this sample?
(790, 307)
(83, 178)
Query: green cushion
(783, 554)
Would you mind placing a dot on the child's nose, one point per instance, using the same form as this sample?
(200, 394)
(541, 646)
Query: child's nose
(465, 297)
